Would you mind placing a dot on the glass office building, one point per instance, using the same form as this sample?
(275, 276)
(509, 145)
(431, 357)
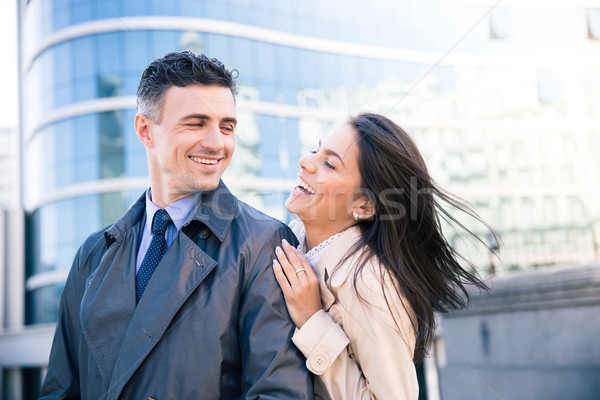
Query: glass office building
(499, 99)
(7, 162)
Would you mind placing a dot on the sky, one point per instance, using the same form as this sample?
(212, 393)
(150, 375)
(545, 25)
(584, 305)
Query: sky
(8, 66)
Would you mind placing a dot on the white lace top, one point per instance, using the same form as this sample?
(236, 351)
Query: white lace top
(315, 253)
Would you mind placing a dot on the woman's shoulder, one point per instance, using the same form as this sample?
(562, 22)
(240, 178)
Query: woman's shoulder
(339, 258)
(373, 287)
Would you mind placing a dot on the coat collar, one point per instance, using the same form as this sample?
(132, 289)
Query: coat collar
(216, 211)
(132, 216)
(334, 273)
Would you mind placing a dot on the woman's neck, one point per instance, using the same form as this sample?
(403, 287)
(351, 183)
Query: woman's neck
(317, 233)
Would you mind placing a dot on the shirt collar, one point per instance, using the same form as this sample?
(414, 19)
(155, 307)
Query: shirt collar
(215, 209)
(178, 210)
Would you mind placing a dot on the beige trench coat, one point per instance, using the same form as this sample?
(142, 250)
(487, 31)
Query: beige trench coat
(355, 348)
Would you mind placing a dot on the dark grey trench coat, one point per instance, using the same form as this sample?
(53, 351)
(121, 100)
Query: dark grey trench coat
(212, 323)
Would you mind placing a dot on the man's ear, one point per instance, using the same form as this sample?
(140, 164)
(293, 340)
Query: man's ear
(362, 208)
(143, 129)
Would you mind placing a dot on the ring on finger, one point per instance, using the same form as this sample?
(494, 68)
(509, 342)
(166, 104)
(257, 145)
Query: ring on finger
(300, 269)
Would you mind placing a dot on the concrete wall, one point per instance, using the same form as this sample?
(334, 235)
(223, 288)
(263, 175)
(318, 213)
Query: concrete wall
(536, 335)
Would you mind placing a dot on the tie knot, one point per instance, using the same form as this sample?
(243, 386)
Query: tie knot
(160, 223)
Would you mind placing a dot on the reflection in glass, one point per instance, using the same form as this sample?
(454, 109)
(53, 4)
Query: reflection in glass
(112, 151)
(42, 304)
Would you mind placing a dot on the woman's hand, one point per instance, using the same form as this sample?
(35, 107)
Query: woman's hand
(298, 282)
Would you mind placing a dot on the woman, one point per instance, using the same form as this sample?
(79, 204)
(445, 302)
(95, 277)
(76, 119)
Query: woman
(372, 265)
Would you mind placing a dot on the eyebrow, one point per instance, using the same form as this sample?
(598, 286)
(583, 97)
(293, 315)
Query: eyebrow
(208, 117)
(330, 152)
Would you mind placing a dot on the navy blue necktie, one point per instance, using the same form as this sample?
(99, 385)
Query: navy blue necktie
(156, 251)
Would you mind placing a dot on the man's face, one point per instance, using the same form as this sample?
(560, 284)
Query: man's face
(193, 144)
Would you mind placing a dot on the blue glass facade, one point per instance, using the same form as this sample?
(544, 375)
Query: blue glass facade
(109, 65)
(357, 22)
(84, 148)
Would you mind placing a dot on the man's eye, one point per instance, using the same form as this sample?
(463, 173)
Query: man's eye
(328, 165)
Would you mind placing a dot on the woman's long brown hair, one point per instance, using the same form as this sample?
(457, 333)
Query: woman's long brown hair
(405, 234)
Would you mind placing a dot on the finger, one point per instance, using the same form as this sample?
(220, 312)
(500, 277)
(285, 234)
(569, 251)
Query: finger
(296, 260)
(305, 264)
(293, 255)
(281, 279)
(288, 269)
(299, 264)
(296, 255)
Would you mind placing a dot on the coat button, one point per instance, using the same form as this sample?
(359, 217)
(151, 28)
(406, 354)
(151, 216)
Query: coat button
(204, 233)
(319, 362)
(150, 398)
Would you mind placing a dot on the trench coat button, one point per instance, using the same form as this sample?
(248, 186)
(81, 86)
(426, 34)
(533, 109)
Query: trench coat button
(319, 362)
(204, 233)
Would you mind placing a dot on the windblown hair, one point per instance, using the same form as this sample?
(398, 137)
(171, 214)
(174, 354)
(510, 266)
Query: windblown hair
(405, 233)
(179, 69)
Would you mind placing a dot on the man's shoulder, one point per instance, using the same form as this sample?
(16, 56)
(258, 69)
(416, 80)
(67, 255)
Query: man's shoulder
(95, 242)
(247, 214)
(260, 227)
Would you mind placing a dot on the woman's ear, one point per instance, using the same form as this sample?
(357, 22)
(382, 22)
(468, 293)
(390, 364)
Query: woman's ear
(143, 129)
(362, 208)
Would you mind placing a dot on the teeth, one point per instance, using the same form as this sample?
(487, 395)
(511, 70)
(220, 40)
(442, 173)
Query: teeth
(203, 160)
(305, 186)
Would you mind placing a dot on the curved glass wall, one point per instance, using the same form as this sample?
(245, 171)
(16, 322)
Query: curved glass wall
(85, 148)
(56, 230)
(335, 20)
(43, 304)
(110, 65)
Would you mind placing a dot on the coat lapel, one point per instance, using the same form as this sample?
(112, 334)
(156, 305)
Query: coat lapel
(109, 299)
(183, 267)
(330, 274)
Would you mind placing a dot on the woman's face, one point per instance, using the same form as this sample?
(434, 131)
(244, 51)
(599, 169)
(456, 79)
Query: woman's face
(328, 181)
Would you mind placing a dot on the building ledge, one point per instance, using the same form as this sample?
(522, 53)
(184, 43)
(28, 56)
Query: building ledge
(549, 287)
(27, 346)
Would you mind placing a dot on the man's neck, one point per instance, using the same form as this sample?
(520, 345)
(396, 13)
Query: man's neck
(162, 199)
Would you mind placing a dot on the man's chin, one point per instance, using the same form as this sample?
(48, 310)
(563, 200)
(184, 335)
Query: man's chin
(207, 187)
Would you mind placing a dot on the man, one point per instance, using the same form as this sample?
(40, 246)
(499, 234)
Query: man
(177, 299)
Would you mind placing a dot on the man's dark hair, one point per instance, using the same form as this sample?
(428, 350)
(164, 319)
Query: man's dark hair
(179, 69)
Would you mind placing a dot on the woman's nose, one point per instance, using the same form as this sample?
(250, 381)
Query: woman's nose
(308, 163)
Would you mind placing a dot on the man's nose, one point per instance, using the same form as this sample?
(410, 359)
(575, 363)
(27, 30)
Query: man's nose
(213, 140)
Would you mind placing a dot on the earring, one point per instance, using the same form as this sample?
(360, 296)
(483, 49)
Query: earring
(356, 215)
